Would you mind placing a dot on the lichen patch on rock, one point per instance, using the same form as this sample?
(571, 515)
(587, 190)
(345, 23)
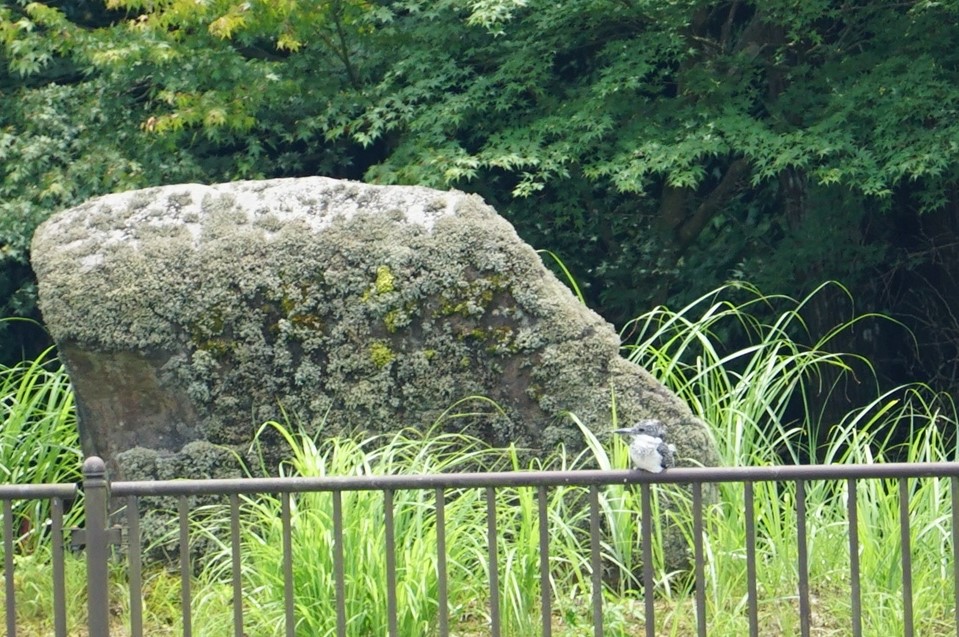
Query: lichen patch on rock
(191, 314)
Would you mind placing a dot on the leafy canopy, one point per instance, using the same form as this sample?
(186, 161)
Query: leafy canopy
(660, 147)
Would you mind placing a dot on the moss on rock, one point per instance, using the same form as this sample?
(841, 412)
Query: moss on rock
(342, 305)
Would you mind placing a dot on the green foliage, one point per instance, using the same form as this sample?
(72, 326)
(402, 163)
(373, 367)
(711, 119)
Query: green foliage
(55, 150)
(38, 438)
(600, 104)
(663, 148)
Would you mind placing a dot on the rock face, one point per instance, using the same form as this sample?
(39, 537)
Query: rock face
(188, 315)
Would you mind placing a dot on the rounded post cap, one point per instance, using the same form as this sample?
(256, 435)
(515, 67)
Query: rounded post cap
(94, 467)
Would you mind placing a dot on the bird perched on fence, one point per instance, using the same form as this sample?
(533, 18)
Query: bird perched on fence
(647, 447)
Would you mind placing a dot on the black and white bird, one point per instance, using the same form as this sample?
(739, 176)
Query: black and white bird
(647, 448)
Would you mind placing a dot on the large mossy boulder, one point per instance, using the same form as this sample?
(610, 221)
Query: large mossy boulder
(188, 315)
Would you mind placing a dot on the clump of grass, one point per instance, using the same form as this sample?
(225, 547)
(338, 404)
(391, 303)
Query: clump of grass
(39, 442)
(747, 395)
(38, 434)
(414, 516)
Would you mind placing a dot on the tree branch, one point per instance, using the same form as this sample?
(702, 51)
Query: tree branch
(687, 232)
(727, 29)
(344, 50)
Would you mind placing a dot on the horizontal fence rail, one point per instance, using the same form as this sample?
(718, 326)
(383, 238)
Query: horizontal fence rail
(102, 500)
(585, 477)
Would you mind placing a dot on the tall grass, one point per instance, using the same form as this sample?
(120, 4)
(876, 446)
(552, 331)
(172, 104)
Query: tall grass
(749, 396)
(38, 435)
(415, 527)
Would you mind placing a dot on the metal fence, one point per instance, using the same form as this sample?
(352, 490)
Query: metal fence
(99, 537)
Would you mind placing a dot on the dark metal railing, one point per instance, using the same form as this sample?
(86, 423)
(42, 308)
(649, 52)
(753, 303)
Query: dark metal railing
(101, 496)
(58, 494)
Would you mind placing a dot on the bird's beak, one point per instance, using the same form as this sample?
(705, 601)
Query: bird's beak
(621, 431)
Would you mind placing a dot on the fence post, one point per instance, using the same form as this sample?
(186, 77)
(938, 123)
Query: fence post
(96, 497)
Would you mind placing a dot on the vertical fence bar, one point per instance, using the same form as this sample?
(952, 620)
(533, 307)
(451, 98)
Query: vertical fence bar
(803, 559)
(852, 513)
(339, 578)
(699, 559)
(8, 588)
(59, 583)
(236, 572)
(390, 564)
(136, 566)
(545, 589)
(752, 595)
(906, 550)
(185, 570)
(286, 526)
(596, 561)
(96, 497)
(441, 590)
(954, 488)
(646, 533)
(493, 558)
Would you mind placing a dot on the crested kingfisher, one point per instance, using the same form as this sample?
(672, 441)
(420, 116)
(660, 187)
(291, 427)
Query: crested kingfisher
(647, 448)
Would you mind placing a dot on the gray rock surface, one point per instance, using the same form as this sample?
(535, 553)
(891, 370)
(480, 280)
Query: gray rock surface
(188, 315)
